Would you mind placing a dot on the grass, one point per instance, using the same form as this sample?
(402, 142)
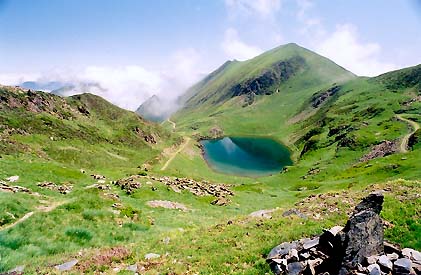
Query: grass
(207, 239)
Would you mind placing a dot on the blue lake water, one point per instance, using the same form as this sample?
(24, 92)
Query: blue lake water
(246, 156)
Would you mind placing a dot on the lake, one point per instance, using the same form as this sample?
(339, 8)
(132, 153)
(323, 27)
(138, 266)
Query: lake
(246, 156)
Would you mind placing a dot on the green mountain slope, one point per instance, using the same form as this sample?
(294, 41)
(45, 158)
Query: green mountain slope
(345, 134)
(287, 73)
(60, 129)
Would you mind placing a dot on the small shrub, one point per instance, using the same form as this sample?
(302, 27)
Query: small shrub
(129, 212)
(135, 226)
(92, 214)
(79, 234)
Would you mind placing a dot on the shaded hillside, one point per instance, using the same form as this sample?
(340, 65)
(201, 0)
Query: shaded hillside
(41, 123)
(273, 71)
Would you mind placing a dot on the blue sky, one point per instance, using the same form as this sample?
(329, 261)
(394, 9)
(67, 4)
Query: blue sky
(138, 48)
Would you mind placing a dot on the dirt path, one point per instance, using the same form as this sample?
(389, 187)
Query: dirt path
(41, 208)
(172, 123)
(173, 155)
(405, 139)
(25, 217)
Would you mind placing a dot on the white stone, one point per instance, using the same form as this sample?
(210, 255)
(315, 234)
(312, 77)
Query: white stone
(13, 178)
(151, 256)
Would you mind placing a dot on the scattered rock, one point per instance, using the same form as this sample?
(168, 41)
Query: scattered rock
(97, 177)
(167, 204)
(357, 248)
(129, 184)
(385, 263)
(63, 189)
(132, 268)
(221, 201)
(402, 266)
(412, 254)
(66, 266)
(374, 269)
(381, 150)
(12, 179)
(6, 188)
(294, 212)
(151, 256)
(198, 188)
(262, 213)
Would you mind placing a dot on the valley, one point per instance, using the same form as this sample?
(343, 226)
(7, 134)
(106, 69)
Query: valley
(104, 189)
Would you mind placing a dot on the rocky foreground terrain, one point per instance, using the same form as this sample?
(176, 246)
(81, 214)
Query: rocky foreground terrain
(357, 248)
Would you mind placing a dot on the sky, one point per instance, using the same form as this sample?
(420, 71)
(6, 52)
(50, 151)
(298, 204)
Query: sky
(137, 48)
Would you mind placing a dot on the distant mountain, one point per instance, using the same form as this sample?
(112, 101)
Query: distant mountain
(43, 86)
(78, 88)
(156, 109)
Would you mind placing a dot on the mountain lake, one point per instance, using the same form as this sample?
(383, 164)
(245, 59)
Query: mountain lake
(246, 156)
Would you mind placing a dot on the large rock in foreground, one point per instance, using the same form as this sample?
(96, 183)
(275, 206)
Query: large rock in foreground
(358, 248)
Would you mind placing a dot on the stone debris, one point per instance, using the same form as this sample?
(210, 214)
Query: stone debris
(66, 266)
(167, 204)
(132, 268)
(221, 201)
(321, 205)
(265, 213)
(7, 188)
(383, 149)
(113, 196)
(198, 188)
(12, 179)
(63, 189)
(97, 177)
(151, 256)
(357, 248)
(99, 186)
(296, 212)
(129, 184)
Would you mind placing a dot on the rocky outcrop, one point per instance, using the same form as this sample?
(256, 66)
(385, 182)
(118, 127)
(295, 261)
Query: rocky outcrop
(322, 96)
(198, 188)
(383, 149)
(4, 187)
(62, 189)
(265, 83)
(129, 184)
(357, 248)
(149, 138)
(216, 132)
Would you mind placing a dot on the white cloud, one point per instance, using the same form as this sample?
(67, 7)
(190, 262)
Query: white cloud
(125, 86)
(262, 8)
(17, 78)
(344, 47)
(235, 48)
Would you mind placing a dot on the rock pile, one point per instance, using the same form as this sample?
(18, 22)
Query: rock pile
(129, 184)
(7, 188)
(358, 248)
(198, 188)
(63, 189)
(383, 149)
(98, 177)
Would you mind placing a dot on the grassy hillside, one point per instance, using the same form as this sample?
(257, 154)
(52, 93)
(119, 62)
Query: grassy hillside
(330, 119)
(272, 85)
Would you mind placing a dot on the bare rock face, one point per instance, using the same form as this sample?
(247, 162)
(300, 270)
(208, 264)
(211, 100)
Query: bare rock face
(357, 248)
(363, 233)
